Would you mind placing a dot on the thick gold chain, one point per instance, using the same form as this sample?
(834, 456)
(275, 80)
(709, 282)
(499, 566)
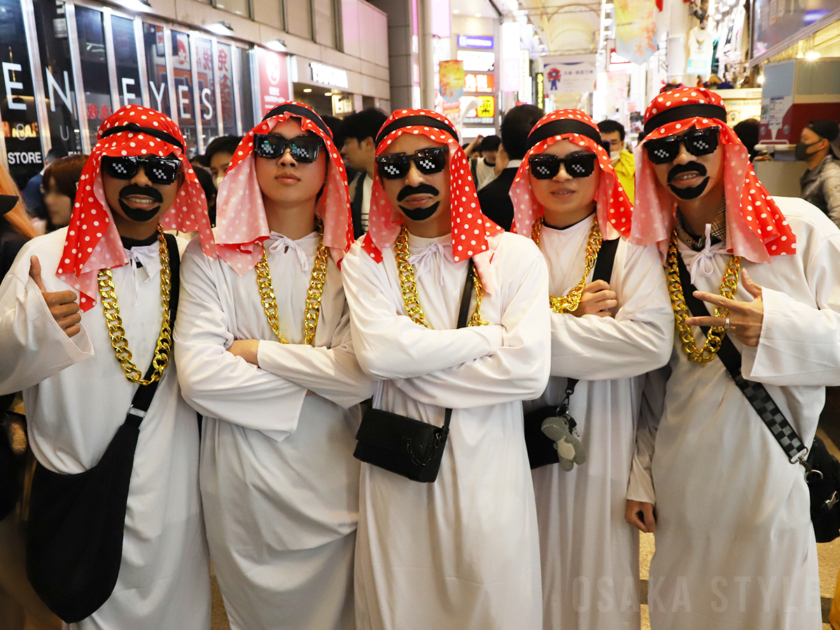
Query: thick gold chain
(408, 286)
(115, 326)
(569, 303)
(716, 333)
(312, 308)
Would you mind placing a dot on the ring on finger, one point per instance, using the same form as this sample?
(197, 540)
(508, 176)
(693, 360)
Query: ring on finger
(726, 324)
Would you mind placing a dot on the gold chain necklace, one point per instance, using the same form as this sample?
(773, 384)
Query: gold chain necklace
(408, 286)
(569, 303)
(312, 308)
(714, 338)
(115, 326)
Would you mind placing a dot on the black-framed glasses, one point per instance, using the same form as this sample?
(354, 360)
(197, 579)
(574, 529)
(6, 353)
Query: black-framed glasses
(546, 165)
(303, 148)
(697, 142)
(397, 165)
(159, 170)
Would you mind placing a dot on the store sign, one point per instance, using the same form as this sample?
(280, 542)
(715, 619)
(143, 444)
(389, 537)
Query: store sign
(526, 88)
(483, 114)
(477, 61)
(475, 41)
(540, 89)
(327, 75)
(479, 83)
(273, 79)
(342, 104)
(569, 74)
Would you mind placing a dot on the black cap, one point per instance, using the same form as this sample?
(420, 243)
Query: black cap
(825, 128)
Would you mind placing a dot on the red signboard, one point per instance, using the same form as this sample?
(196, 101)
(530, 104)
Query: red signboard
(274, 79)
(479, 83)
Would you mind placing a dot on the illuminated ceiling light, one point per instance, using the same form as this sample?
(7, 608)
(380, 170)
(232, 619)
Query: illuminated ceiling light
(277, 44)
(800, 56)
(135, 5)
(307, 90)
(761, 79)
(456, 11)
(478, 15)
(220, 28)
(812, 55)
(327, 93)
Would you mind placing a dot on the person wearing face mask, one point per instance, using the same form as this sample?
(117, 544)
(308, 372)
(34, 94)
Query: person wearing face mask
(820, 184)
(610, 324)
(755, 288)
(115, 537)
(218, 156)
(448, 316)
(265, 355)
(60, 181)
(621, 159)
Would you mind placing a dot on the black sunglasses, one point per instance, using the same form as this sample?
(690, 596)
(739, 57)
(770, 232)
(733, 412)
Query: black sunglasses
(303, 148)
(546, 166)
(697, 142)
(397, 165)
(159, 170)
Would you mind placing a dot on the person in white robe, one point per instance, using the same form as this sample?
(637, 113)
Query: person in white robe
(607, 334)
(461, 553)
(735, 547)
(56, 347)
(264, 350)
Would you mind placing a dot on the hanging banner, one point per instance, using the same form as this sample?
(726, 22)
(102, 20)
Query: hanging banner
(569, 74)
(635, 29)
(451, 80)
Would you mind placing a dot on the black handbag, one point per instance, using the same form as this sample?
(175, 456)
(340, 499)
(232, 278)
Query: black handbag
(822, 470)
(541, 450)
(76, 522)
(403, 445)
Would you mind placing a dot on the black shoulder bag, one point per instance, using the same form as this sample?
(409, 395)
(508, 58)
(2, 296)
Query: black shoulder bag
(541, 449)
(76, 522)
(403, 445)
(822, 468)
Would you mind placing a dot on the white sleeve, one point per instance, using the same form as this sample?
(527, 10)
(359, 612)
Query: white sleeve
(213, 381)
(640, 486)
(32, 344)
(332, 373)
(518, 370)
(799, 344)
(391, 346)
(636, 341)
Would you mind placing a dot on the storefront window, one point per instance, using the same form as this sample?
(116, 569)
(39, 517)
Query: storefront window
(224, 67)
(182, 84)
(17, 103)
(246, 98)
(62, 114)
(240, 7)
(125, 56)
(154, 45)
(94, 68)
(206, 89)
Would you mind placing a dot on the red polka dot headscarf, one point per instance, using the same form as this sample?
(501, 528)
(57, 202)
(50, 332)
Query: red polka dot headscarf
(241, 225)
(613, 208)
(470, 228)
(93, 242)
(755, 227)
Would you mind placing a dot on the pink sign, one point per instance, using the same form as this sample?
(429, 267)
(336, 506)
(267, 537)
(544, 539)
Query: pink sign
(274, 79)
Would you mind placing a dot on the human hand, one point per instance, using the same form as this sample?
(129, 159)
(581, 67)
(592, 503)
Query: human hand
(63, 305)
(596, 299)
(745, 318)
(641, 515)
(247, 349)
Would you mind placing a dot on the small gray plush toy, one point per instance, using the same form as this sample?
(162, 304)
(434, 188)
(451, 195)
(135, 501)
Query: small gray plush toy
(561, 429)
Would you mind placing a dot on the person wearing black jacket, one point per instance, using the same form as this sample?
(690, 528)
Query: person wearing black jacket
(358, 150)
(494, 198)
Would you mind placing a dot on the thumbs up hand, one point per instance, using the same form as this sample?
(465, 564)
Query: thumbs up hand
(62, 304)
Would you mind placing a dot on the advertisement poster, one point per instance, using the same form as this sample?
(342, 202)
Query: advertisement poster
(482, 110)
(479, 83)
(477, 60)
(775, 22)
(274, 79)
(635, 29)
(452, 80)
(569, 74)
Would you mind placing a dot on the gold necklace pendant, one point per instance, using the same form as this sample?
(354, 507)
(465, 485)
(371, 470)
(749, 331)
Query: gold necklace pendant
(312, 308)
(408, 286)
(570, 302)
(714, 338)
(111, 309)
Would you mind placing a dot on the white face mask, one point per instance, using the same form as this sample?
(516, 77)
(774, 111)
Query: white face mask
(218, 181)
(615, 156)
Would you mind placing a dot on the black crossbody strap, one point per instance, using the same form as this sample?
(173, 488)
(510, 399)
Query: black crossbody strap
(145, 393)
(462, 322)
(756, 393)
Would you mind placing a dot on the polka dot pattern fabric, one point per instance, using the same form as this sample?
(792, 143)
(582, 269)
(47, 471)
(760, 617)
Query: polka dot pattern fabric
(613, 208)
(93, 242)
(755, 227)
(241, 224)
(470, 228)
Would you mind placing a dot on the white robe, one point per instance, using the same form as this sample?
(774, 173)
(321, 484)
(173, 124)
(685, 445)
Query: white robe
(589, 553)
(460, 553)
(278, 478)
(735, 548)
(76, 397)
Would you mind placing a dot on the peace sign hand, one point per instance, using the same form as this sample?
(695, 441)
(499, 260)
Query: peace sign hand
(745, 318)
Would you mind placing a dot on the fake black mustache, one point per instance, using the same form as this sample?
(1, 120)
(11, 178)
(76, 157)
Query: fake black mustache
(148, 191)
(422, 189)
(691, 167)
